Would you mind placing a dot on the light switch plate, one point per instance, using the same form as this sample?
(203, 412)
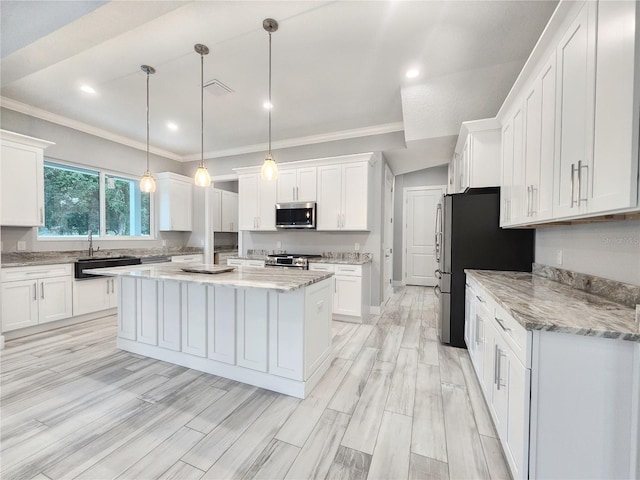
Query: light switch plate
(21, 246)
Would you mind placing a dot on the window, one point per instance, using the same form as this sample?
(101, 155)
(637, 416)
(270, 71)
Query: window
(79, 200)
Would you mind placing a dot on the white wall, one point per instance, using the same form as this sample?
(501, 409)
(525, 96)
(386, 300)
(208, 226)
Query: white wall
(83, 149)
(421, 178)
(608, 249)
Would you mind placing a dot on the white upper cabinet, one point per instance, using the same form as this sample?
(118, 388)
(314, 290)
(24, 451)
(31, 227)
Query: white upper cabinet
(343, 193)
(229, 213)
(22, 180)
(477, 155)
(539, 143)
(578, 93)
(256, 202)
(224, 211)
(297, 185)
(175, 202)
(574, 113)
(615, 158)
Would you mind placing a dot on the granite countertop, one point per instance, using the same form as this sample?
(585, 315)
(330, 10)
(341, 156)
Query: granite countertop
(280, 280)
(342, 261)
(541, 304)
(27, 259)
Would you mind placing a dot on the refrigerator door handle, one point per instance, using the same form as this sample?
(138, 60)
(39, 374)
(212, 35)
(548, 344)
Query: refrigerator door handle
(438, 230)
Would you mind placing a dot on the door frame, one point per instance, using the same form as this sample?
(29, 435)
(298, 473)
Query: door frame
(385, 288)
(405, 191)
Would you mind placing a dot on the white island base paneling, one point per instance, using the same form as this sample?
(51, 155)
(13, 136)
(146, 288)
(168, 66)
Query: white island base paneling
(278, 341)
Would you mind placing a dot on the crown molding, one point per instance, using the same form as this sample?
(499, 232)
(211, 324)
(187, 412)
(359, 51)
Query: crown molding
(300, 141)
(83, 127)
(261, 147)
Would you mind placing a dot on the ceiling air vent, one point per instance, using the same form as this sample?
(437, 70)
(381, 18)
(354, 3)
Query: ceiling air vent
(217, 88)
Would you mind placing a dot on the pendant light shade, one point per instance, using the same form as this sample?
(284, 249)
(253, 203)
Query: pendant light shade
(269, 167)
(147, 183)
(202, 177)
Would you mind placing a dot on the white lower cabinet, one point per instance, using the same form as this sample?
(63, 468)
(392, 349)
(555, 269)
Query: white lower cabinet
(253, 311)
(195, 258)
(241, 262)
(35, 295)
(350, 290)
(562, 404)
(93, 295)
(257, 329)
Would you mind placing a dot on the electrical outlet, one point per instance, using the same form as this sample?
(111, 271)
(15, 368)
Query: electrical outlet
(22, 246)
(357, 247)
(164, 243)
(278, 244)
(558, 257)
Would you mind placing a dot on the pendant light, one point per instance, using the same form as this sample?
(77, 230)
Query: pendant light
(202, 177)
(269, 167)
(147, 183)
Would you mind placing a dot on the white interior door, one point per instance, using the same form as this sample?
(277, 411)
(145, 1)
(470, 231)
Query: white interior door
(419, 262)
(387, 233)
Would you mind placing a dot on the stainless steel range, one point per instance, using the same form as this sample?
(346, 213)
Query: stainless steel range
(289, 260)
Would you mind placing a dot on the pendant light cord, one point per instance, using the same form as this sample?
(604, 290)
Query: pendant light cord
(201, 110)
(270, 104)
(147, 121)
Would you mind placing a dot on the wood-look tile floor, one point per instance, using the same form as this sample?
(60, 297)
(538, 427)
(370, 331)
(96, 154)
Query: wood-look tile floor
(394, 404)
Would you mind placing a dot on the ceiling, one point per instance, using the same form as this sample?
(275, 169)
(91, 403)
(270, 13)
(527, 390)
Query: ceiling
(338, 70)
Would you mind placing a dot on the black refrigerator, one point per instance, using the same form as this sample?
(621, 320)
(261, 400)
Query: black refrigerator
(468, 235)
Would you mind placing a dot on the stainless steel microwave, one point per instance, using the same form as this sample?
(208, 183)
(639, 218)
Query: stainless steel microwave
(296, 215)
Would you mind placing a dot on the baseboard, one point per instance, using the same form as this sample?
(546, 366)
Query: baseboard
(398, 283)
(375, 310)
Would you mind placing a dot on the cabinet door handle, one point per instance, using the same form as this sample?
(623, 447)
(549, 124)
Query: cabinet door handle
(41, 216)
(501, 355)
(293, 192)
(107, 287)
(580, 167)
(35, 290)
(41, 289)
(573, 183)
(297, 193)
(480, 299)
(113, 285)
(501, 323)
(338, 220)
(478, 339)
(534, 210)
(495, 364)
(529, 191)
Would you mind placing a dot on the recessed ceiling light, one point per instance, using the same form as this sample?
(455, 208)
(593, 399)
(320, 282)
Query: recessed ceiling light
(413, 73)
(87, 89)
(172, 126)
(267, 105)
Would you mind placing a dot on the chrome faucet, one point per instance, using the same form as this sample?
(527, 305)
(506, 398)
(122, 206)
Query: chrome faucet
(91, 250)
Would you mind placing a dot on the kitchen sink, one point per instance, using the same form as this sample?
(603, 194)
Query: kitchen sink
(101, 262)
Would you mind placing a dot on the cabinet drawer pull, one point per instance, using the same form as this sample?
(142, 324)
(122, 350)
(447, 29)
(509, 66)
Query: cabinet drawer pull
(495, 364)
(107, 287)
(478, 339)
(41, 289)
(501, 323)
(480, 299)
(35, 290)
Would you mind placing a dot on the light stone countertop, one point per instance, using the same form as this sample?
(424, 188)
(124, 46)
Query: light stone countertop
(541, 304)
(341, 261)
(28, 259)
(280, 280)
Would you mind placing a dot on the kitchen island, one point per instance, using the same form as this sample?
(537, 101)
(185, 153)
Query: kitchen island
(266, 327)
